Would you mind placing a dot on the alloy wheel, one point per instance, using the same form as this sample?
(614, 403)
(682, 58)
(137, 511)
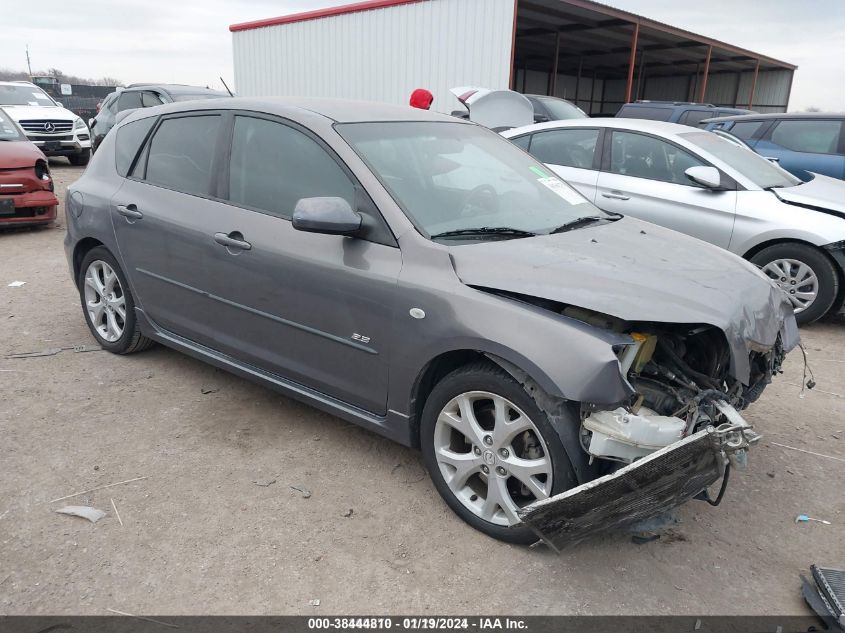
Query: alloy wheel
(797, 279)
(105, 301)
(491, 456)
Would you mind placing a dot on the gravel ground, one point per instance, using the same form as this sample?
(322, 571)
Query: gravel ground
(201, 535)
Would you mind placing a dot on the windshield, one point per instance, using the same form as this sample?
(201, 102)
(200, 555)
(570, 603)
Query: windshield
(455, 177)
(24, 95)
(8, 130)
(757, 169)
(562, 110)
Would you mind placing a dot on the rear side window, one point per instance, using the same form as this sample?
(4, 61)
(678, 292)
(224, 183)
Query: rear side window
(568, 148)
(645, 112)
(274, 165)
(816, 137)
(150, 99)
(745, 129)
(693, 117)
(128, 101)
(181, 154)
(129, 139)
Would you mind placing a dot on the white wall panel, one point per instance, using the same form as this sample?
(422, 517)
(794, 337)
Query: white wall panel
(381, 54)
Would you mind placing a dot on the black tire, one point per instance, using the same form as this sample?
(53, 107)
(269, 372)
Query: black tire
(828, 279)
(81, 159)
(486, 376)
(131, 340)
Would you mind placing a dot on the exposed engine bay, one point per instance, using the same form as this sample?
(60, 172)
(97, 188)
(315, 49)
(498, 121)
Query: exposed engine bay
(678, 434)
(683, 384)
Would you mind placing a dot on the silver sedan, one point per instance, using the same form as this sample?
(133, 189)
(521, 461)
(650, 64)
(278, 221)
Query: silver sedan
(697, 183)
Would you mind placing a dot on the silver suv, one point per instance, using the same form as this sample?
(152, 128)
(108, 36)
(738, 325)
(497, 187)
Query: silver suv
(424, 278)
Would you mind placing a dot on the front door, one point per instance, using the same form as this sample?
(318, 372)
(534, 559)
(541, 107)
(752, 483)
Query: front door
(315, 309)
(644, 178)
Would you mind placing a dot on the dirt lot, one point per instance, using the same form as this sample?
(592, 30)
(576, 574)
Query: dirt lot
(200, 536)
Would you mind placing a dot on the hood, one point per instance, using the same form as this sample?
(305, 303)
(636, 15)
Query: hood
(23, 113)
(638, 271)
(495, 109)
(822, 193)
(14, 154)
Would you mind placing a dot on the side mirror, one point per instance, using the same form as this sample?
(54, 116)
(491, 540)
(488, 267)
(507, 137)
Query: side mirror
(60, 104)
(332, 216)
(705, 176)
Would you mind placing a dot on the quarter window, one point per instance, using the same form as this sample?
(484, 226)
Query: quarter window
(129, 139)
(274, 165)
(816, 137)
(150, 99)
(181, 154)
(128, 101)
(568, 148)
(745, 129)
(644, 156)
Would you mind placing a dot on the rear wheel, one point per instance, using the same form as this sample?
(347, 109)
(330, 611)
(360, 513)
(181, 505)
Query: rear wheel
(805, 274)
(108, 304)
(490, 450)
(81, 158)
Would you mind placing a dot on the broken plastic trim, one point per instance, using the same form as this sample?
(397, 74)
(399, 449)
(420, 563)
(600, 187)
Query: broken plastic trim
(652, 485)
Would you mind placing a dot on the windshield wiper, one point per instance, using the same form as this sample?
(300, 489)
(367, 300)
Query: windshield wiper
(486, 230)
(584, 221)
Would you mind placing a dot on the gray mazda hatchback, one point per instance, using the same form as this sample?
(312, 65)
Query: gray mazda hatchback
(564, 370)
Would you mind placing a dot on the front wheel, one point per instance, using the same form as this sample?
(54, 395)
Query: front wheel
(490, 450)
(805, 274)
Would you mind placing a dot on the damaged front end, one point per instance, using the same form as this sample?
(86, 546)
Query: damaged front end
(678, 433)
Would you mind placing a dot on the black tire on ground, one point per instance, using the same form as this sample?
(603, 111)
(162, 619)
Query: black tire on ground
(81, 158)
(131, 340)
(486, 376)
(828, 279)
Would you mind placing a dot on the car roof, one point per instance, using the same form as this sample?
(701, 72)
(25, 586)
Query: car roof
(637, 125)
(337, 110)
(175, 89)
(778, 115)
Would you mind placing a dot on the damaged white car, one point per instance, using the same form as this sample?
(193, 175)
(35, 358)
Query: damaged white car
(564, 370)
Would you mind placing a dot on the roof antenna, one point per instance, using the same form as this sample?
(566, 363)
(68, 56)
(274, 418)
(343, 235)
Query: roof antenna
(227, 87)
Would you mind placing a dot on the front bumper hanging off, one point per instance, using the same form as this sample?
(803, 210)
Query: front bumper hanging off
(646, 488)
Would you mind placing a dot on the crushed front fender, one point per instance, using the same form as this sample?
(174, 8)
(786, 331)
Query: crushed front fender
(650, 486)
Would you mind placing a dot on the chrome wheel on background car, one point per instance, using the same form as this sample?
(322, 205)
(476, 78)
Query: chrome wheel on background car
(807, 276)
(491, 456)
(797, 279)
(105, 301)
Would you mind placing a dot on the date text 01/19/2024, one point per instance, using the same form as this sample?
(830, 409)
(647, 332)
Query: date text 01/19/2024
(418, 623)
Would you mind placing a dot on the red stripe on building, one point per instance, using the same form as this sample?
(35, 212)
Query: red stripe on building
(321, 13)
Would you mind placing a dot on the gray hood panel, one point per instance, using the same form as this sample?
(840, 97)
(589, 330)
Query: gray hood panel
(638, 271)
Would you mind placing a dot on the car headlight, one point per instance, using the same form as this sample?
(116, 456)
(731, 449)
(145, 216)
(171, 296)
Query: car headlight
(79, 124)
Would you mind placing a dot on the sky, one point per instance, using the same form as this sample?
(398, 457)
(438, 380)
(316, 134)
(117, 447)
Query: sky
(188, 41)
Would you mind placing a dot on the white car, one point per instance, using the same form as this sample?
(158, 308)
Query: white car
(697, 183)
(55, 130)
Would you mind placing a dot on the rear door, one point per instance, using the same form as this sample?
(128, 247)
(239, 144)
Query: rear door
(161, 218)
(571, 154)
(806, 145)
(315, 309)
(643, 176)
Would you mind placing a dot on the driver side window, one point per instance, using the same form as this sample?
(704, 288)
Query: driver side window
(643, 156)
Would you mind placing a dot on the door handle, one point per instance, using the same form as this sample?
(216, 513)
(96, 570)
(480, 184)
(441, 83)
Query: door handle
(616, 195)
(129, 211)
(232, 240)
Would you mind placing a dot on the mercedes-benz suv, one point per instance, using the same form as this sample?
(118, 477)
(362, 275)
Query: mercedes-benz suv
(55, 130)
